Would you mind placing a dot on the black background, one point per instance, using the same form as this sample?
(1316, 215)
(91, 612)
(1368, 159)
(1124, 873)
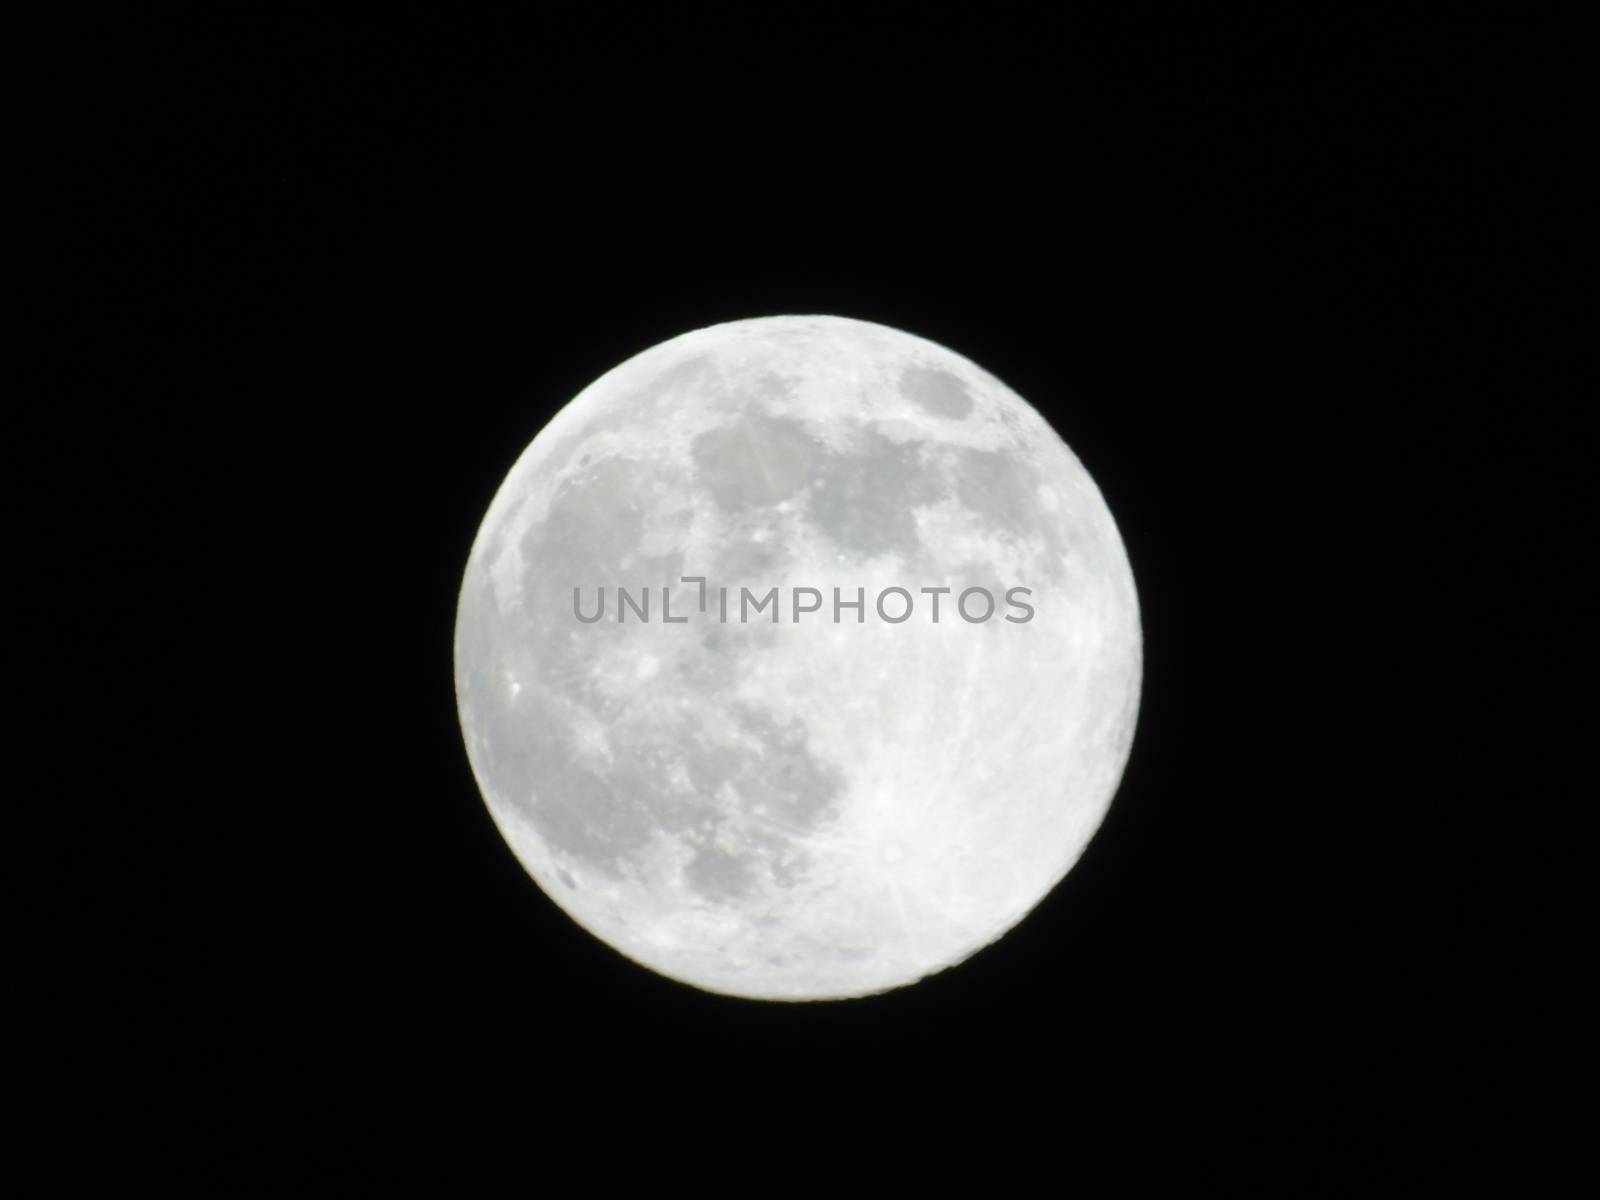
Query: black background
(1295, 293)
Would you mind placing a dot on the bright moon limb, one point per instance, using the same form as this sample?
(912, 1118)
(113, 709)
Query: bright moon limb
(798, 658)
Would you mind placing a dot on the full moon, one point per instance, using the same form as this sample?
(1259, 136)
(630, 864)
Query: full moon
(797, 658)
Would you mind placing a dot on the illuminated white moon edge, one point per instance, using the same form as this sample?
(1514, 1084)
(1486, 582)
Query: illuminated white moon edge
(813, 809)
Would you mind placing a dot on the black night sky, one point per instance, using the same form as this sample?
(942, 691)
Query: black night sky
(298, 288)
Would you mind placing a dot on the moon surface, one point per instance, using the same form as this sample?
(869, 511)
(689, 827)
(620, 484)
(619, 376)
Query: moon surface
(797, 802)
